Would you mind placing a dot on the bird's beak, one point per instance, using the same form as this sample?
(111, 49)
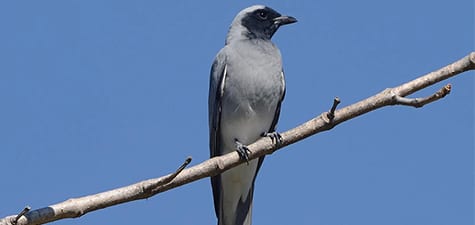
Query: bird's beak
(283, 20)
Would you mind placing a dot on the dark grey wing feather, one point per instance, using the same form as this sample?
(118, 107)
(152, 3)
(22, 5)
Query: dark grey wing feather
(216, 89)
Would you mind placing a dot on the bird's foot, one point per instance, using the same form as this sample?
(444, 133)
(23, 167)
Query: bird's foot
(274, 136)
(242, 150)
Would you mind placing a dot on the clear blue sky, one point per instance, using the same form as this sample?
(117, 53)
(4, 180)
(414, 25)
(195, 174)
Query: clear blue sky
(100, 94)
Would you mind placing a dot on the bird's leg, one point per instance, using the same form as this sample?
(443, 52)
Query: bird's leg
(242, 150)
(274, 136)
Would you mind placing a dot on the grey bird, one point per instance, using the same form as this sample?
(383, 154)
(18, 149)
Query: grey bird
(246, 91)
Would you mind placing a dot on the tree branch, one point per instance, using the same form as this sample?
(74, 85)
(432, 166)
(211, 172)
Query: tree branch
(392, 96)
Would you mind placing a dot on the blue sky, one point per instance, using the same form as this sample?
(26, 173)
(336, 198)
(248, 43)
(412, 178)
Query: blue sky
(100, 94)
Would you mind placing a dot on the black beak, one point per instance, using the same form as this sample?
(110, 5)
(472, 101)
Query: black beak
(283, 20)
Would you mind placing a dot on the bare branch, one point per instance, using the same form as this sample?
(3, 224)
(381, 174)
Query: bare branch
(326, 121)
(77, 207)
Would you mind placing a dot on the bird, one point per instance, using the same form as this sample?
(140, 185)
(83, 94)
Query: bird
(246, 90)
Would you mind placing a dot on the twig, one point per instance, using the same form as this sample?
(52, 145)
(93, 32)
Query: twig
(173, 175)
(23, 212)
(419, 102)
(328, 116)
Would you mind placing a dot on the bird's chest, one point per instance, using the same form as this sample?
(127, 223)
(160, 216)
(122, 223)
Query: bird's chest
(253, 90)
(254, 78)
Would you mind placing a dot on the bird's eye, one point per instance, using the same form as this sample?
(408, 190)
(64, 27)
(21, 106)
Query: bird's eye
(262, 14)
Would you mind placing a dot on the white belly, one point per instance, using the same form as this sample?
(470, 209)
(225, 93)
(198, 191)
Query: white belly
(245, 125)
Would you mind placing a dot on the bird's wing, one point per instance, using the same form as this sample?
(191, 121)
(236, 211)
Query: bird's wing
(277, 109)
(216, 90)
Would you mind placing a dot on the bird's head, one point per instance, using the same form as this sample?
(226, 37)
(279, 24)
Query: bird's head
(257, 21)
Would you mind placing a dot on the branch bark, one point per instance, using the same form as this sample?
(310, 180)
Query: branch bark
(77, 207)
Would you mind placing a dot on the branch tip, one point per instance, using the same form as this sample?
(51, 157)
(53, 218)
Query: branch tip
(446, 89)
(472, 59)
